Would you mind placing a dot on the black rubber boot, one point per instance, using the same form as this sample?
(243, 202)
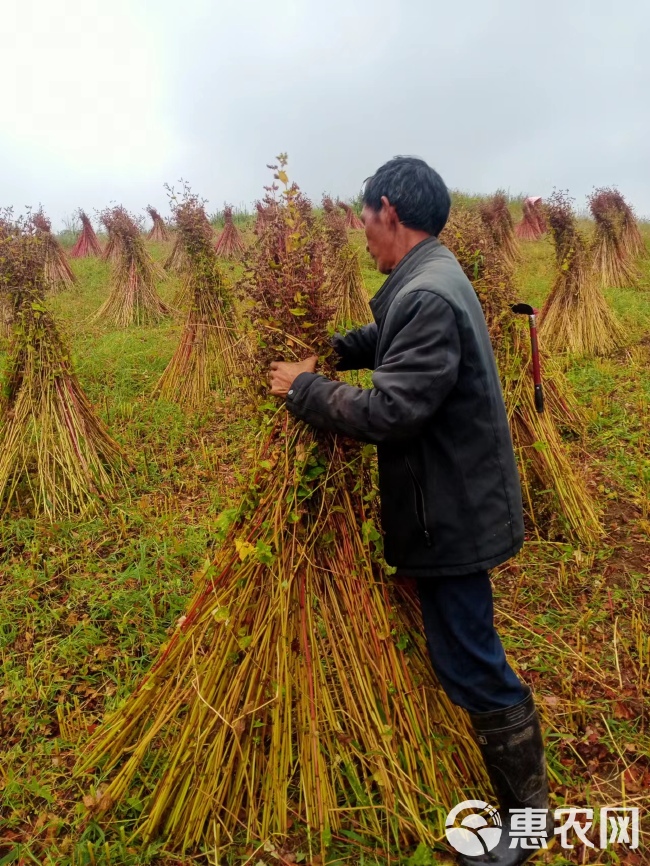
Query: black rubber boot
(511, 743)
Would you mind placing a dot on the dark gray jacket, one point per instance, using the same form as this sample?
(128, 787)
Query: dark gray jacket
(449, 487)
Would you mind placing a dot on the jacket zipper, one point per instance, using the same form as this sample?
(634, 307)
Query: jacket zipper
(421, 511)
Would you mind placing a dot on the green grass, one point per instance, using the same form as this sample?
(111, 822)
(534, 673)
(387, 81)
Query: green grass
(85, 604)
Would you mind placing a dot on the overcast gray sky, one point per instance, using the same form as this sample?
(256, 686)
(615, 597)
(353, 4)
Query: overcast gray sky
(106, 100)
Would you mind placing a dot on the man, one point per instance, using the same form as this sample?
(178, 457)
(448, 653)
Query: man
(450, 497)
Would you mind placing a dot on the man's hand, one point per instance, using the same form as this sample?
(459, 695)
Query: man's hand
(282, 374)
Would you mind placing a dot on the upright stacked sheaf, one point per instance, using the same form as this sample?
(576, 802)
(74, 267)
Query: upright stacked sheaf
(133, 299)
(617, 240)
(56, 456)
(87, 244)
(212, 352)
(159, 232)
(345, 280)
(576, 319)
(57, 273)
(533, 222)
(229, 244)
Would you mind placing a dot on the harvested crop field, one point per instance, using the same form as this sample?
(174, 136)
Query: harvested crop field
(87, 600)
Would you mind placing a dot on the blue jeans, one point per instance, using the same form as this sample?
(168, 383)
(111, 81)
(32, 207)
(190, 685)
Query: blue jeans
(465, 649)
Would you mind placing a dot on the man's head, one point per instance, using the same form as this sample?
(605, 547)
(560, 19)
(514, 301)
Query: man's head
(404, 202)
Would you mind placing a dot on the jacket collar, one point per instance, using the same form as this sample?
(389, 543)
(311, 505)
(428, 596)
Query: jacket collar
(398, 276)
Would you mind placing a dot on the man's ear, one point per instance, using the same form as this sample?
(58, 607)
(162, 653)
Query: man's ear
(389, 213)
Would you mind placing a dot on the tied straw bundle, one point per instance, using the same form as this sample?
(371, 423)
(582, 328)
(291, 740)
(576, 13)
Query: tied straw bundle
(133, 299)
(611, 259)
(533, 223)
(176, 262)
(615, 244)
(55, 454)
(497, 218)
(87, 243)
(210, 353)
(345, 280)
(352, 221)
(556, 497)
(575, 318)
(336, 232)
(288, 693)
(229, 244)
(57, 273)
(265, 211)
(630, 234)
(159, 232)
(112, 249)
(352, 307)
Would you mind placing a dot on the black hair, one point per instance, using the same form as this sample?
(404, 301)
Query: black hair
(416, 191)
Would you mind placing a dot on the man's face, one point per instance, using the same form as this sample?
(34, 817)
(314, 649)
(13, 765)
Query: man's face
(379, 237)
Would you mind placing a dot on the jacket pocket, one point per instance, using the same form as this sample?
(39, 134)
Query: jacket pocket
(420, 503)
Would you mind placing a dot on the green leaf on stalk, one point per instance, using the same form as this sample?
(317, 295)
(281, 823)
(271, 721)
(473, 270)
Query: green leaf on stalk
(264, 553)
(224, 522)
(369, 532)
(402, 642)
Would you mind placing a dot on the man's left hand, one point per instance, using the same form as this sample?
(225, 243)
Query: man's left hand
(283, 374)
